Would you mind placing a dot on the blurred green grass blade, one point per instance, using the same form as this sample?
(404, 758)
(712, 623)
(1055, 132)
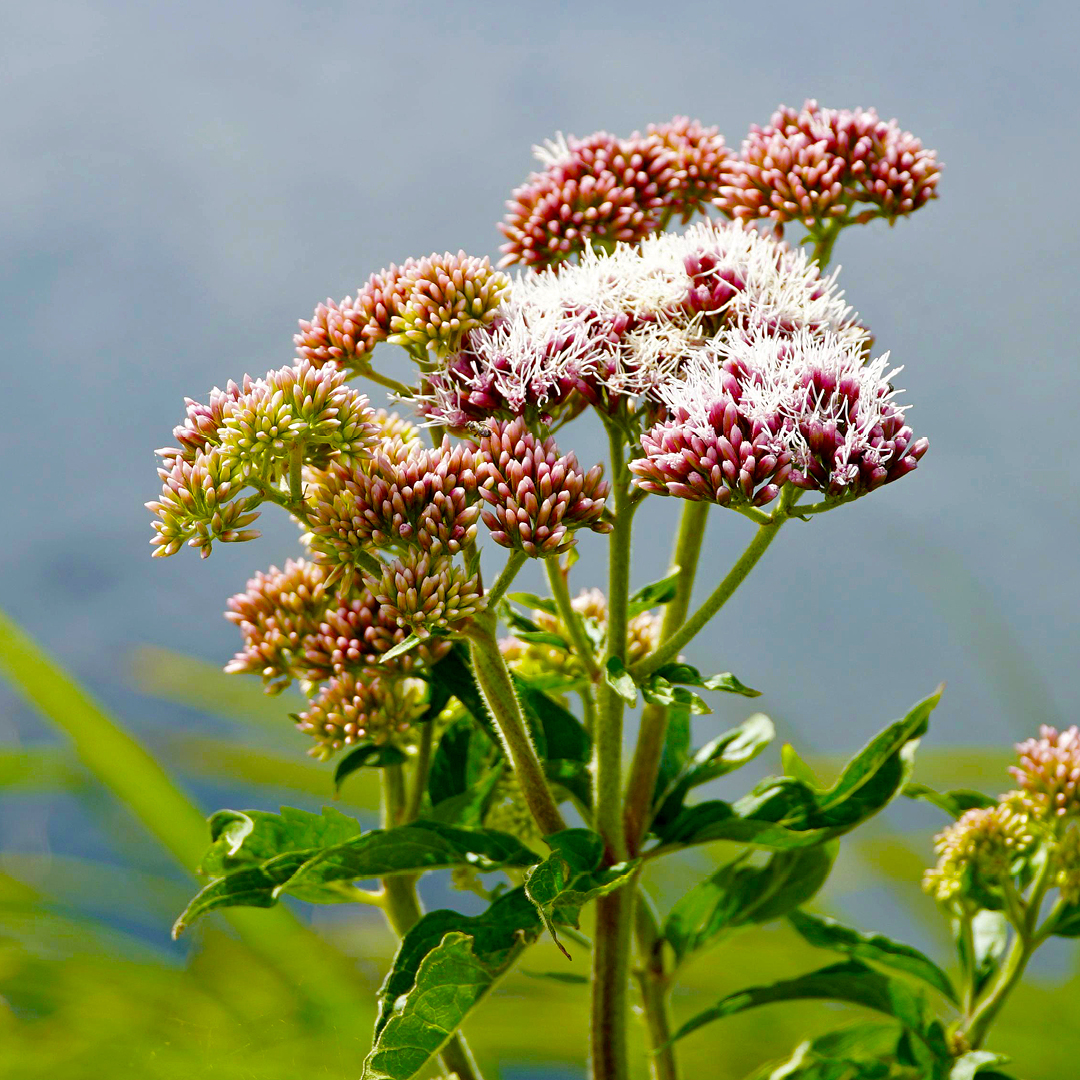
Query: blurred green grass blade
(123, 766)
(227, 761)
(39, 768)
(186, 680)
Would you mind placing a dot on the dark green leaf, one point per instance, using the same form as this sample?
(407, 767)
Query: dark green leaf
(1068, 922)
(446, 964)
(954, 803)
(794, 766)
(690, 676)
(976, 1063)
(454, 674)
(569, 977)
(574, 776)
(655, 593)
(717, 820)
(534, 602)
(852, 982)
(739, 895)
(829, 934)
(564, 734)
(400, 649)
(312, 857)
(543, 637)
(448, 775)
(367, 755)
(619, 679)
(675, 753)
(860, 1052)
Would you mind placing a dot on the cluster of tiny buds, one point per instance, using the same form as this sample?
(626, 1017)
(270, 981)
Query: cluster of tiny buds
(253, 436)
(429, 302)
(534, 497)
(1049, 771)
(607, 190)
(404, 495)
(527, 657)
(427, 593)
(295, 626)
(980, 848)
(818, 165)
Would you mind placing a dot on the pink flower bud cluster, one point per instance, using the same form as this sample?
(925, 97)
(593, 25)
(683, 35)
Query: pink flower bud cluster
(355, 707)
(295, 626)
(426, 592)
(979, 849)
(534, 497)
(1049, 771)
(606, 190)
(756, 411)
(406, 494)
(424, 302)
(617, 326)
(248, 437)
(818, 165)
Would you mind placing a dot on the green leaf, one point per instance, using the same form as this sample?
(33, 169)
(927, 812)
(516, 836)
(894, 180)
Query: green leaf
(676, 751)
(619, 679)
(738, 895)
(688, 675)
(829, 934)
(534, 602)
(1067, 924)
(446, 964)
(726, 753)
(990, 939)
(574, 776)
(564, 735)
(571, 876)
(543, 637)
(454, 674)
(973, 1063)
(569, 977)
(718, 820)
(851, 982)
(954, 803)
(448, 775)
(367, 755)
(859, 1052)
(400, 649)
(653, 594)
(796, 767)
(256, 857)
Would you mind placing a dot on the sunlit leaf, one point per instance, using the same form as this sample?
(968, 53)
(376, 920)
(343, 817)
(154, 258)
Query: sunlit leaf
(654, 594)
(954, 803)
(619, 679)
(367, 755)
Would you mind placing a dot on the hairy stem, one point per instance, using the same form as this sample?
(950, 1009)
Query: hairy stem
(498, 690)
(611, 951)
(654, 718)
(560, 592)
(420, 771)
(723, 592)
(366, 371)
(506, 578)
(654, 983)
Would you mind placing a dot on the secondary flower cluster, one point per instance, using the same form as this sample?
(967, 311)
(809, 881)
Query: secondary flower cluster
(987, 847)
(617, 326)
(429, 302)
(818, 165)
(253, 436)
(605, 190)
(757, 410)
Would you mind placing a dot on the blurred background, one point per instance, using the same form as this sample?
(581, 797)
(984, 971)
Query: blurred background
(185, 181)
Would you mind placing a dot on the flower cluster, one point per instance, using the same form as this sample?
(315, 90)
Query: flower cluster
(1049, 771)
(252, 436)
(755, 411)
(978, 851)
(527, 657)
(619, 325)
(818, 165)
(405, 494)
(428, 302)
(606, 190)
(351, 708)
(427, 593)
(295, 626)
(534, 497)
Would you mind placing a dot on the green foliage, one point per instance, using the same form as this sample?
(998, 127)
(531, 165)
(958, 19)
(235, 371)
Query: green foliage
(655, 594)
(954, 803)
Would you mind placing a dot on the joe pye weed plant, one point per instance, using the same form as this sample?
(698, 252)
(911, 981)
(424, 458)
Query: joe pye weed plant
(655, 288)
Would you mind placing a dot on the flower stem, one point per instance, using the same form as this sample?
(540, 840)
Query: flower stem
(824, 240)
(611, 951)
(498, 690)
(654, 718)
(654, 983)
(420, 770)
(721, 594)
(506, 578)
(570, 618)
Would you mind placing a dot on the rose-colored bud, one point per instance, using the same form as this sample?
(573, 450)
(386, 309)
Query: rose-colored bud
(1049, 771)
(360, 706)
(696, 164)
(535, 497)
(818, 165)
(424, 592)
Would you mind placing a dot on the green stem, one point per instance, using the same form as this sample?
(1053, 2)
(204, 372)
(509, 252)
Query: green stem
(503, 582)
(498, 690)
(420, 771)
(557, 581)
(366, 371)
(296, 470)
(645, 766)
(611, 951)
(824, 240)
(757, 547)
(654, 983)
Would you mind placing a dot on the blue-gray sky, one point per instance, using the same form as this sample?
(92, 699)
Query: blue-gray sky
(183, 181)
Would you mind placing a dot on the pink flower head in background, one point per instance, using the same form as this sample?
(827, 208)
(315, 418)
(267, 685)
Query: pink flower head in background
(1049, 770)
